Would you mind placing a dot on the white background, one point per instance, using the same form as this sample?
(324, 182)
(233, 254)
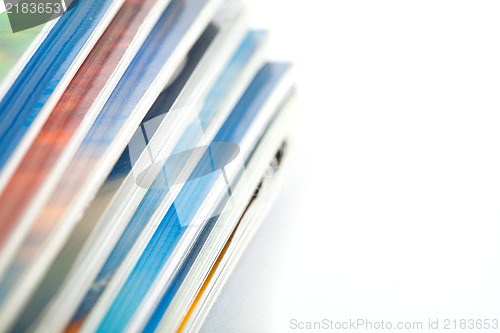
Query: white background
(392, 208)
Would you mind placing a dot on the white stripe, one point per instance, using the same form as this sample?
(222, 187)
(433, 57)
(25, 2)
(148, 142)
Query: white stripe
(63, 5)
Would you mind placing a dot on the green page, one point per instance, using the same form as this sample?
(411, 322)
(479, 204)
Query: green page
(13, 45)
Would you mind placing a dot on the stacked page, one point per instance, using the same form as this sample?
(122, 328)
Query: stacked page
(142, 143)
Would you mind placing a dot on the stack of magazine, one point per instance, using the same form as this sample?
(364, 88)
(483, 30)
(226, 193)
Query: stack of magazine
(141, 144)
